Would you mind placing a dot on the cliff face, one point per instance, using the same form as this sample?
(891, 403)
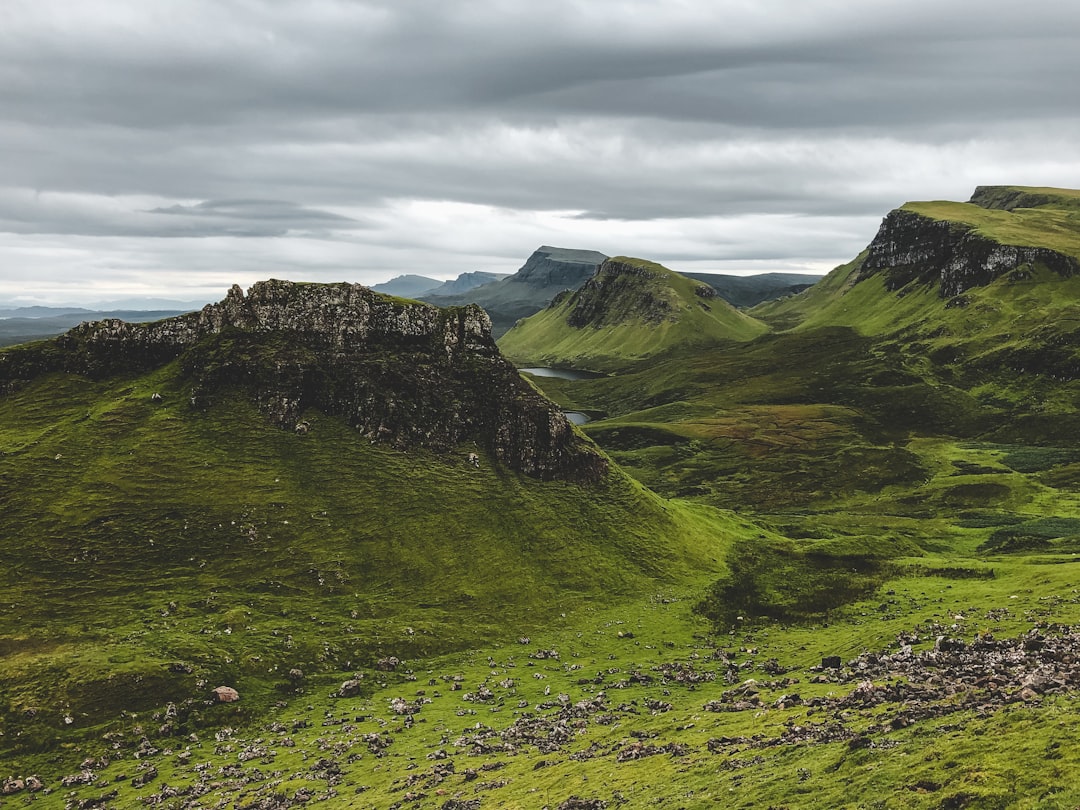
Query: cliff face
(402, 373)
(621, 291)
(559, 267)
(912, 247)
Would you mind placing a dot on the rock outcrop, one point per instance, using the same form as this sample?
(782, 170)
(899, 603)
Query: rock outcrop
(402, 373)
(621, 291)
(910, 247)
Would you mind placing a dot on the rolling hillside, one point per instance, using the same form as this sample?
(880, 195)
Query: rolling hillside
(308, 477)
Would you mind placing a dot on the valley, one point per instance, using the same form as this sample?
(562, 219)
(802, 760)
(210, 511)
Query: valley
(818, 552)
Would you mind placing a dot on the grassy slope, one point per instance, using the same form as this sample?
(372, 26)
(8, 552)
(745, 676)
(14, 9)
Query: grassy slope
(1018, 757)
(139, 535)
(625, 336)
(1011, 305)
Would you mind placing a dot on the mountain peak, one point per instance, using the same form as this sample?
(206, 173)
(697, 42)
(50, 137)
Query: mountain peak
(630, 309)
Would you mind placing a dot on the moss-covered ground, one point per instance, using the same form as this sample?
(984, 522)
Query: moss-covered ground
(627, 714)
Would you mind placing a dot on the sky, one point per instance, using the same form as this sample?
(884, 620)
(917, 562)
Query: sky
(171, 149)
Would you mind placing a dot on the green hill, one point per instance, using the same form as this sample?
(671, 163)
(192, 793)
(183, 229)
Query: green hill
(1003, 263)
(307, 478)
(630, 310)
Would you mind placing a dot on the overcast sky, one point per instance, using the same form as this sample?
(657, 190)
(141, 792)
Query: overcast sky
(174, 148)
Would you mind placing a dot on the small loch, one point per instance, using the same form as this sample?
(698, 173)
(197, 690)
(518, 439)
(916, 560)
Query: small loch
(562, 373)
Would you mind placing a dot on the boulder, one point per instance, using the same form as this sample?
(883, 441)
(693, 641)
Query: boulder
(225, 694)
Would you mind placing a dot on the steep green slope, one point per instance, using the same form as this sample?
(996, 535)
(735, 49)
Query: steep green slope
(163, 534)
(959, 321)
(631, 309)
(1002, 264)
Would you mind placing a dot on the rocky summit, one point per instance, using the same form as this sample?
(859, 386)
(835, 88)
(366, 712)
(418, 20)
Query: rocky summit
(402, 373)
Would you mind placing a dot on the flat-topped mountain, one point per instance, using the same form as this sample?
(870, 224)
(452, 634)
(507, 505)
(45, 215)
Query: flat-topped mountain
(546, 273)
(631, 309)
(1001, 264)
(964, 245)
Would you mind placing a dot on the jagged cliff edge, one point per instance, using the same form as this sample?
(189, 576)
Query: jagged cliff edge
(400, 372)
(911, 247)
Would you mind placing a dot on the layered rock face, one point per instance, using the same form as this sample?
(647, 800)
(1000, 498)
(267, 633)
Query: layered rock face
(912, 247)
(402, 373)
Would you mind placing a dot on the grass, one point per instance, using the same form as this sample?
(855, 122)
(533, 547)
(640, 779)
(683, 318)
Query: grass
(140, 535)
(633, 309)
(631, 654)
(1050, 227)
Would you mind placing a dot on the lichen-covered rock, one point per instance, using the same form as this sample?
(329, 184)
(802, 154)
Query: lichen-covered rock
(401, 372)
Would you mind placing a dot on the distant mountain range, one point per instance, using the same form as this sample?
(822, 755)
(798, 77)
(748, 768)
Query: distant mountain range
(24, 324)
(506, 297)
(552, 270)
(413, 286)
(546, 273)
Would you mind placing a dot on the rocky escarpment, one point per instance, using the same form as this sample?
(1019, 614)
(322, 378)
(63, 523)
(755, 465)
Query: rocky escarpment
(910, 247)
(401, 373)
(622, 291)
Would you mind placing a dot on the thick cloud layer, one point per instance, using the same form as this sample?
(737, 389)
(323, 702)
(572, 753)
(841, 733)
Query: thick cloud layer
(153, 148)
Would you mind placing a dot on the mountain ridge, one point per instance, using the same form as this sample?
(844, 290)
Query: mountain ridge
(401, 372)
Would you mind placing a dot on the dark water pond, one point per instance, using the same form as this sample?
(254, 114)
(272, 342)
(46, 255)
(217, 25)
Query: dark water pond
(577, 417)
(562, 373)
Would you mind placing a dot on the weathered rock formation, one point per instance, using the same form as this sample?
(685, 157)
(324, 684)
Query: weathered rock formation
(402, 373)
(617, 293)
(912, 247)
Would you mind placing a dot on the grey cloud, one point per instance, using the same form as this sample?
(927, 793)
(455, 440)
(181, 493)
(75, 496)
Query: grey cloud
(889, 65)
(257, 217)
(622, 117)
(84, 214)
